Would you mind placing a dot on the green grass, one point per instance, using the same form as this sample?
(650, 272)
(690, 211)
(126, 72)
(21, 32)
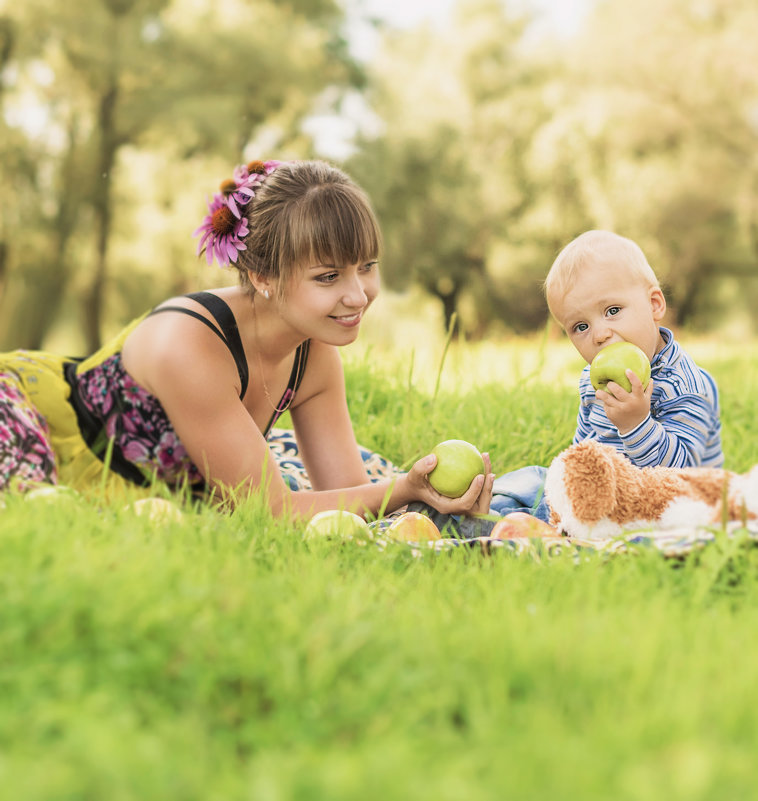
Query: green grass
(222, 657)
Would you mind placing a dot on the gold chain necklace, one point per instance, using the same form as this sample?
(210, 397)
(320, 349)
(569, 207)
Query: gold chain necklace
(291, 395)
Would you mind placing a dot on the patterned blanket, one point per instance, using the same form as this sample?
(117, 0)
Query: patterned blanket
(671, 543)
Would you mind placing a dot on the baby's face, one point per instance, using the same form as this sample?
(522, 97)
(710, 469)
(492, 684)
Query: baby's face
(603, 306)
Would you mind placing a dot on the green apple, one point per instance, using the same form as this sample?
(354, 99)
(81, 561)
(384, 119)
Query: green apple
(337, 524)
(612, 362)
(50, 493)
(458, 462)
(522, 524)
(156, 510)
(413, 527)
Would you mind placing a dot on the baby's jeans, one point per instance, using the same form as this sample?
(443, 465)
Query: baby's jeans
(521, 490)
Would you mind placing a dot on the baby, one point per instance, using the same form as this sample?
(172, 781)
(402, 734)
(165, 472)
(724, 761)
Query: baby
(602, 290)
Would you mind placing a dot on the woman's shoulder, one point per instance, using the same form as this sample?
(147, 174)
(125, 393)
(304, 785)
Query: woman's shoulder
(170, 344)
(322, 370)
(219, 306)
(200, 299)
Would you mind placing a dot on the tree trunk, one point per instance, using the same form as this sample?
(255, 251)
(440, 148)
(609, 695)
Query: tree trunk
(32, 293)
(449, 307)
(93, 297)
(3, 265)
(685, 300)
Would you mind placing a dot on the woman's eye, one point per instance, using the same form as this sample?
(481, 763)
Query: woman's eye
(328, 278)
(370, 265)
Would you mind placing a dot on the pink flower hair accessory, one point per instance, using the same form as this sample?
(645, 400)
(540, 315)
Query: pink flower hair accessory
(224, 227)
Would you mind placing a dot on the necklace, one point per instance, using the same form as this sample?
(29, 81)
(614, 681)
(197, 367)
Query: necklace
(288, 394)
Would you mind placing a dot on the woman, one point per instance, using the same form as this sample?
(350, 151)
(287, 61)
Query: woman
(187, 394)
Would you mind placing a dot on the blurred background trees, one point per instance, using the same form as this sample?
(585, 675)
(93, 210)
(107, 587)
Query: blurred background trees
(114, 112)
(490, 148)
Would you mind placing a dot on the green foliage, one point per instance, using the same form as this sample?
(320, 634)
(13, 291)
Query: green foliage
(221, 656)
(641, 122)
(496, 147)
(116, 84)
(446, 175)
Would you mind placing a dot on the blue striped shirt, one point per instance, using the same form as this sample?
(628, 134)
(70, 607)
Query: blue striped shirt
(683, 428)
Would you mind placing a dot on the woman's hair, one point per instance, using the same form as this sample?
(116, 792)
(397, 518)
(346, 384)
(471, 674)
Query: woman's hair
(603, 249)
(306, 212)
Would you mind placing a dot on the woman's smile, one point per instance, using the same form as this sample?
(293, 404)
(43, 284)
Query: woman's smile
(347, 320)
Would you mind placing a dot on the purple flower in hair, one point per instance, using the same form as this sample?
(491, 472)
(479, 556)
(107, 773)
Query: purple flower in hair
(241, 189)
(224, 227)
(222, 232)
(257, 170)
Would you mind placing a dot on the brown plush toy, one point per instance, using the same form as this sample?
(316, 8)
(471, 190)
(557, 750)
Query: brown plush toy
(594, 492)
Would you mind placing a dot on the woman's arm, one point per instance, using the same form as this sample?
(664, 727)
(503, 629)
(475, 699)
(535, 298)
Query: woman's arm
(322, 423)
(196, 381)
(232, 454)
(331, 456)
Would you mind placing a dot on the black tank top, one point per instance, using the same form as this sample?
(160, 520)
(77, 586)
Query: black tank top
(229, 334)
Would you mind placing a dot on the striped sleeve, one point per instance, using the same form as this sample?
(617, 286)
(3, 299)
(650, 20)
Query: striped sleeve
(583, 424)
(678, 436)
(683, 428)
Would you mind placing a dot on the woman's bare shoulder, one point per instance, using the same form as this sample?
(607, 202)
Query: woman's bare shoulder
(173, 346)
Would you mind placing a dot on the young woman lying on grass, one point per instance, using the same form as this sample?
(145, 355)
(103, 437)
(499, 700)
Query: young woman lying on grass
(188, 393)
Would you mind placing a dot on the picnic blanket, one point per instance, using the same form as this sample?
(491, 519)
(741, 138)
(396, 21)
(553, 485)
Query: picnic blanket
(669, 542)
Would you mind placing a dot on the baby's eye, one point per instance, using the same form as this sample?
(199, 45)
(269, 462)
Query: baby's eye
(580, 327)
(613, 310)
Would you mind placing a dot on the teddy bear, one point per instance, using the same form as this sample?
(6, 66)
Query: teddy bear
(595, 492)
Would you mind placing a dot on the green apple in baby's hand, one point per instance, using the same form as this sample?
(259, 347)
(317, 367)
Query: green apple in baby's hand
(458, 463)
(612, 362)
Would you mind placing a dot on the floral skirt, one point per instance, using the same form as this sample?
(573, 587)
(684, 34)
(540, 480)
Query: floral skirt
(26, 454)
(40, 441)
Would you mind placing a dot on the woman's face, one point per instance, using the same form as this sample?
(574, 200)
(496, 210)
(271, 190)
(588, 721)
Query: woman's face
(327, 302)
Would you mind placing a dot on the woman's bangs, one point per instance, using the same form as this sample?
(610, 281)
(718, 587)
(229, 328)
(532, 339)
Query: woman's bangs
(338, 230)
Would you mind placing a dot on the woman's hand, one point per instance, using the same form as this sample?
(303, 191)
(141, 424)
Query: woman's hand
(475, 501)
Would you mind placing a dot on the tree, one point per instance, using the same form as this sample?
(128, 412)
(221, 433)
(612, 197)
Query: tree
(441, 174)
(643, 122)
(130, 74)
(655, 118)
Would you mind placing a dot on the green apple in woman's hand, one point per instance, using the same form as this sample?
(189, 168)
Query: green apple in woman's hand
(612, 362)
(458, 462)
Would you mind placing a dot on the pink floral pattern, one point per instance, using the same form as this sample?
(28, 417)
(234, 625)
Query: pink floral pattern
(136, 422)
(26, 455)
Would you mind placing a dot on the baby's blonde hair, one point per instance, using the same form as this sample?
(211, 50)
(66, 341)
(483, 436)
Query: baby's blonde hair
(604, 249)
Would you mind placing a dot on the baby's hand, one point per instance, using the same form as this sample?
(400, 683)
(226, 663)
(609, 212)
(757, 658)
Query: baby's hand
(626, 410)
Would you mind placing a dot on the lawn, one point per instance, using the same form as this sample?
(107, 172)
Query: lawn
(223, 657)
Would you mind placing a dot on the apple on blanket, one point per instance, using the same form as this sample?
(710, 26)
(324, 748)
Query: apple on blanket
(595, 492)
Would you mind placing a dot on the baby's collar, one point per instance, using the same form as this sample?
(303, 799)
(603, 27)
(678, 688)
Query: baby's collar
(668, 343)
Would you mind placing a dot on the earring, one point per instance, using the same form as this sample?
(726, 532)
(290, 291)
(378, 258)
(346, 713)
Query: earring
(265, 293)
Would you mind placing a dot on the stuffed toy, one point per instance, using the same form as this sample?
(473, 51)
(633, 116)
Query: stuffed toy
(595, 492)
